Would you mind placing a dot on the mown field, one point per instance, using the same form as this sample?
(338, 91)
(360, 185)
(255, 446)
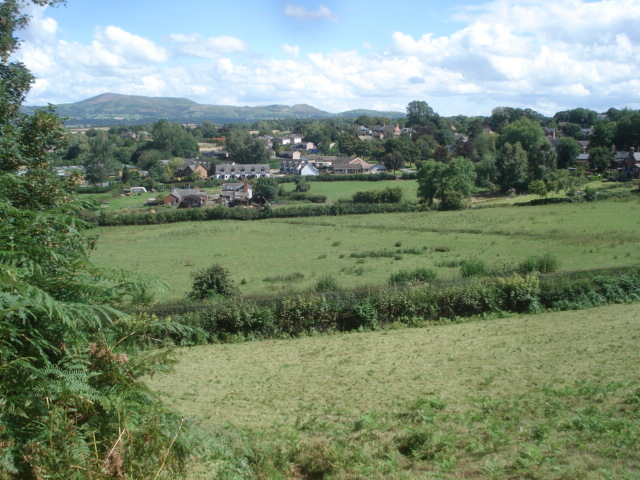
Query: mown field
(290, 255)
(550, 396)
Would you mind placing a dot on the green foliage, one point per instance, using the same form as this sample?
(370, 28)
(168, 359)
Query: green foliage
(406, 277)
(266, 189)
(436, 180)
(212, 281)
(538, 187)
(547, 263)
(473, 268)
(301, 184)
(452, 200)
(326, 283)
(513, 166)
(73, 403)
(568, 149)
(388, 195)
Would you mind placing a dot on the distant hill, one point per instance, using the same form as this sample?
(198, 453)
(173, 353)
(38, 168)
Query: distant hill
(113, 108)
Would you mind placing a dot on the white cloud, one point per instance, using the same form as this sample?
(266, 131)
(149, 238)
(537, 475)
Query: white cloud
(195, 45)
(129, 46)
(533, 54)
(292, 50)
(301, 13)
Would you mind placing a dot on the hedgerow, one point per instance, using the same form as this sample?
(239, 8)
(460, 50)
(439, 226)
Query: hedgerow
(426, 300)
(105, 219)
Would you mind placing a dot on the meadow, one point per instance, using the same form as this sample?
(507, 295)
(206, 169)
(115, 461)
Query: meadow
(288, 255)
(549, 396)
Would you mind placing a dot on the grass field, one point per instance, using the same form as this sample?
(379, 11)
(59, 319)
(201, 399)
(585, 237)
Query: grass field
(335, 191)
(581, 236)
(551, 396)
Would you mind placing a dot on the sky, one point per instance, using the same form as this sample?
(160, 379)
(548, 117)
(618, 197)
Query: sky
(462, 57)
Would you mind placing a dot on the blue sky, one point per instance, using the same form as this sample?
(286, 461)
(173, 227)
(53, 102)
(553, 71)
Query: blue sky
(461, 57)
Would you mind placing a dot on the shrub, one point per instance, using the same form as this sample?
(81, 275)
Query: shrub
(288, 278)
(301, 313)
(212, 281)
(452, 200)
(419, 275)
(547, 263)
(473, 268)
(326, 283)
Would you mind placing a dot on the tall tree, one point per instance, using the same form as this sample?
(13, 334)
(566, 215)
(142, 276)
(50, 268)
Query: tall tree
(602, 133)
(513, 167)
(524, 131)
(568, 150)
(419, 113)
(73, 404)
(436, 179)
(600, 158)
(99, 160)
(243, 148)
(174, 140)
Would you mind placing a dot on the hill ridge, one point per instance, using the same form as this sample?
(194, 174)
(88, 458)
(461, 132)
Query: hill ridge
(113, 108)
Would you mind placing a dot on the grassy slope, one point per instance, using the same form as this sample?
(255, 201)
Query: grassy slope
(587, 235)
(543, 396)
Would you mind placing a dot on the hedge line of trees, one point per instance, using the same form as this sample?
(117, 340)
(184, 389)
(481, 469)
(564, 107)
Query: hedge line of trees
(104, 219)
(237, 318)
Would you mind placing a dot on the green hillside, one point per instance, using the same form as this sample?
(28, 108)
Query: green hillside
(113, 108)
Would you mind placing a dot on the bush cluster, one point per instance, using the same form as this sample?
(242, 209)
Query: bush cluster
(329, 309)
(105, 219)
(407, 277)
(388, 195)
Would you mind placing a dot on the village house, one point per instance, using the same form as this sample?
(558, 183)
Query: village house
(228, 171)
(186, 198)
(298, 167)
(191, 170)
(290, 155)
(236, 192)
(351, 166)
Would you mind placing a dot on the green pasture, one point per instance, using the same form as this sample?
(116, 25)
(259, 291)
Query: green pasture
(335, 191)
(352, 248)
(545, 396)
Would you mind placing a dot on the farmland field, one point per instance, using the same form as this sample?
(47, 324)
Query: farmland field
(541, 396)
(367, 249)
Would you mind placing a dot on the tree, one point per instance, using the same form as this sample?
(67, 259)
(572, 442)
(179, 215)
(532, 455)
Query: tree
(573, 130)
(524, 131)
(419, 113)
(212, 281)
(393, 161)
(266, 189)
(627, 130)
(446, 181)
(543, 161)
(568, 150)
(73, 401)
(602, 133)
(487, 173)
(600, 158)
(243, 148)
(513, 167)
(301, 184)
(173, 140)
(99, 161)
(348, 144)
(538, 187)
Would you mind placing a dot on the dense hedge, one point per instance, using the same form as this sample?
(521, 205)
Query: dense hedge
(304, 313)
(332, 177)
(226, 213)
